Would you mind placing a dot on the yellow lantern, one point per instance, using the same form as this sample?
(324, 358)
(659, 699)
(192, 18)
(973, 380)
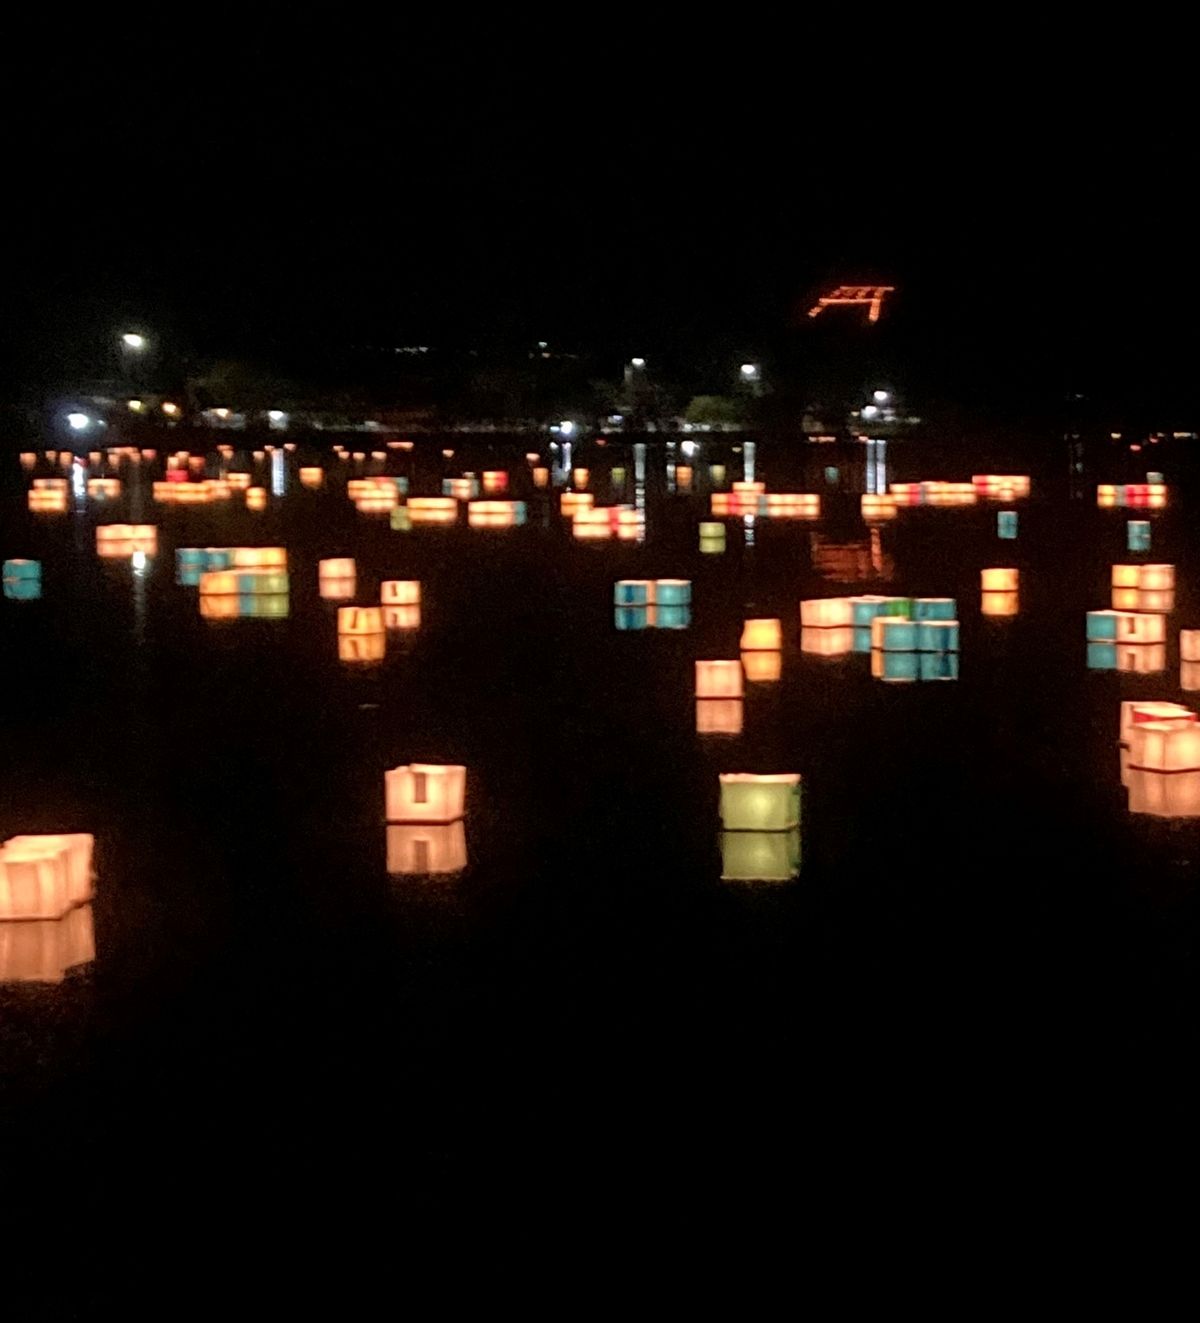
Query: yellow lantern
(762, 667)
(877, 507)
(760, 856)
(219, 606)
(433, 510)
(541, 476)
(719, 679)
(44, 950)
(400, 592)
(425, 850)
(239, 481)
(360, 620)
(336, 590)
(762, 635)
(791, 505)
(425, 792)
(1125, 576)
(760, 803)
(42, 877)
(719, 716)
(339, 567)
(1000, 604)
(1125, 599)
(256, 498)
(1000, 580)
(362, 647)
(683, 477)
(592, 525)
(495, 514)
(268, 558)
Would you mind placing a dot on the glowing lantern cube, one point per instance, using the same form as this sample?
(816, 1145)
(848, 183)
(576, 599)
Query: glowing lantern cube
(760, 803)
(336, 574)
(1137, 535)
(573, 503)
(716, 474)
(436, 510)
(1164, 794)
(1189, 644)
(762, 667)
(42, 877)
(896, 667)
(719, 679)
(425, 792)
(1000, 580)
(1189, 676)
(45, 950)
(262, 558)
(712, 538)
(580, 478)
(760, 856)
(762, 635)
(1165, 746)
(401, 617)
(256, 498)
(826, 613)
(400, 592)
(937, 635)
(23, 580)
(935, 608)
(426, 850)
(104, 489)
(47, 501)
(673, 592)
(1000, 604)
(835, 642)
(312, 478)
(462, 489)
(634, 617)
(683, 477)
(362, 647)
(399, 519)
(877, 507)
(1125, 627)
(719, 716)
(360, 620)
(633, 592)
(1136, 712)
(893, 634)
(1006, 524)
(541, 476)
(495, 514)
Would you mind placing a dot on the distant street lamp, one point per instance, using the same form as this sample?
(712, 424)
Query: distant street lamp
(78, 422)
(132, 340)
(638, 363)
(170, 409)
(749, 372)
(135, 406)
(870, 411)
(881, 396)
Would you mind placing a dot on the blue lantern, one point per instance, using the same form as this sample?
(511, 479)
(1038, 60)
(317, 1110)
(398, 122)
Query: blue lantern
(935, 608)
(1006, 524)
(1137, 535)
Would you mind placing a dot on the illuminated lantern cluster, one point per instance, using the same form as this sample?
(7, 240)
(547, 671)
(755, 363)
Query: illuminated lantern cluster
(426, 849)
(103, 489)
(1134, 495)
(906, 493)
(837, 614)
(712, 538)
(948, 493)
(336, 579)
(601, 523)
(48, 496)
(44, 877)
(1126, 641)
(120, 541)
(462, 489)
(1001, 486)
(425, 793)
(1143, 588)
(877, 507)
(572, 503)
(495, 481)
(652, 603)
(182, 492)
(22, 580)
(377, 495)
(760, 819)
(495, 514)
(924, 647)
(432, 510)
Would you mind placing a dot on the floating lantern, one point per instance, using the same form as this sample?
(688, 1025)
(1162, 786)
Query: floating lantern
(1001, 486)
(312, 477)
(1125, 627)
(893, 634)
(937, 665)
(716, 474)
(762, 635)
(592, 525)
(760, 856)
(712, 538)
(673, 592)
(760, 803)
(1189, 643)
(425, 792)
(23, 580)
(723, 503)
(617, 478)
(28, 459)
(495, 480)
(426, 850)
(42, 877)
(826, 612)
(877, 507)
(762, 667)
(1137, 535)
(1133, 658)
(895, 667)
(789, 505)
(462, 489)
(495, 514)
(47, 500)
(629, 524)
(256, 498)
(103, 489)
(1000, 604)
(360, 620)
(401, 617)
(633, 592)
(1189, 676)
(719, 679)
(1157, 600)
(672, 616)
(238, 481)
(1135, 712)
(541, 476)
(261, 558)
(337, 568)
(1165, 746)
(362, 647)
(683, 477)
(719, 716)
(43, 951)
(1000, 580)
(906, 493)
(580, 478)
(122, 540)
(572, 503)
(1006, 524)
(828, 642)
(433, 510)
(935, 608)
(634, 617)
(937, 635)
(400, 592)
(1125, 599)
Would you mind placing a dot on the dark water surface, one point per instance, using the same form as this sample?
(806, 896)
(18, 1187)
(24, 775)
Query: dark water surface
(982, 943)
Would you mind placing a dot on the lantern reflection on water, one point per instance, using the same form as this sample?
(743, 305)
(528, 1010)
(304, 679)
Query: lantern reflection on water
(719, 716)
(633, 592)
(1189, 676)
(937, 635)
(362, 647)
(893, 634)
(1134, 658)
(401, 617)
(827, 642)
(43, 877)
(360, 620)
(425, 850)
(719, 679)
(1189, 645)
(762, 667)
(1164, 794)
(336, 578)
(895, 667)
(45, 950)
(999, 604)
(23, 580)
(425, 792)
(754, 803)
(760, 856)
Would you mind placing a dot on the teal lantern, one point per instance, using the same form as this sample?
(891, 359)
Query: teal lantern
(1155, 478)
(937, 635)
(1137, 535)
(263, 582)
(895, 667)
(712, 538)
(1101, 626)
(939, 665)
(633, 592)
(631, 617)
(401, 485)
(673, 592)
(1102, 656)
(1006, 524)
(831, 474)
(673, 617)
(894, 635)
(263, 606)
(862, 639)
(23, 580)
(935, 608)
(865, 609)
(760, 856)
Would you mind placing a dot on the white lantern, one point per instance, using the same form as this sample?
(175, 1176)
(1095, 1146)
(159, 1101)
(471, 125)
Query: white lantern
(719, 679)
(425, 792)
(1164, 794)
(827, 642)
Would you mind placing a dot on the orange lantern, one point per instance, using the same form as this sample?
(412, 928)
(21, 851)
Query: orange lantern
(362, 647)
(719, 716)
(360, 620)
(43, 877)
(400, 592)
(425, 792)
(424, 850)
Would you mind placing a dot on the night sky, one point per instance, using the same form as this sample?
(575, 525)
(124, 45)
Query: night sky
(254, 193)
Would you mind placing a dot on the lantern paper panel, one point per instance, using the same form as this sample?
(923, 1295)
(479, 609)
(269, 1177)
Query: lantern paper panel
(633, 592)
(751, 802)
(1165, 746)
(1189, 676)
(762, 635)
(826, 613)
(46, 950)
(266, 558)
(1164, 794)
(400, 520)
(673, 592)
(835, 642)
(712, 538)
(425, 792)
(719, 679)
(1136, 711)
(360, 620)
(672, 616)
(426, 849)
(999, 604)
(1137, 535)
(937, 635)
(23, 580)
(1006, 524)
(760, 856)
(400, 592)
(896, 667)
(42, 877)
(634, 617)
(496, 514)
(877, 507)
(401, 617)
(719, 716)
(1000, 580)
(1132, 658)
(1125, 627)
(312, 478)
(937, 665)
(762, 667)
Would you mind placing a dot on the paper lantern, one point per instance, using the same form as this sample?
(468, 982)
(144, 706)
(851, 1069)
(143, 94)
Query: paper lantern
(104, 489)
(580, 478)
(495, 480)
(1164, 794)
(1125, 599)
(360, 620)
(28, 459)
(1156, 600)
(827, 642)
(937, 635)
(47, 501)
(719, 679)
(432, 510)
(1156, 577)
(1156, 496)
(401, 617)
(541, 477)
(256, 498)
(672, 616)
(634, 617)
(45, 950)
(937, 665)
(340, 568)
(1189, 643)
(400, 592)
(722, 503)
(238, 481)
(867, 606)
(762, 667)
(1000, 604)
(896, 667)
(122, 540)
(495, 514)
(571, 503)
(272, 583)
(42, 877)
(712, 538)
(633, 592)
(716, 474)
(826, 612)
(1133, 658)
(877, 507)
(1006, 524)
(1000, 580)
(426, 850)
(425, 792)
(400, 519)
(760, 856)
(629, 524)
(762, 635)
(935, 608)
(789, 505)
(267, 558)
(312, 478)
(1165, 746)
(1125, 627)
(462, 489)
(760, 803)
(22, 580)
(362, 647)
(673, 592)
(683, 477)
(906, 493)
(1137, 535)
(893, 634)
(1189, 676)
(592, 525)
(1138, 711)
(719, 716)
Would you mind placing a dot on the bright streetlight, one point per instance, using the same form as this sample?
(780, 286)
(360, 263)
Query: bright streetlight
(870, 411)
(749, 371)
(881, 396)
(637, 363)
(78, 422)
(170, 409)
(132, 340)
(135, 406)
(566, 427)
